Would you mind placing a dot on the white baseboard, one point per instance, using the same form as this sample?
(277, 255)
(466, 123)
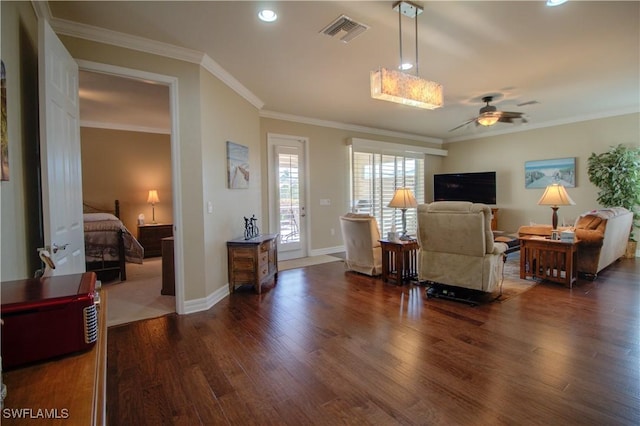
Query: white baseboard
(328, 250)
(198, 305)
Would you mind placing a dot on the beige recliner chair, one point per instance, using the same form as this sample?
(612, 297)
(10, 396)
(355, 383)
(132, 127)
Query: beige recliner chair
(361, 242)
(457, 247)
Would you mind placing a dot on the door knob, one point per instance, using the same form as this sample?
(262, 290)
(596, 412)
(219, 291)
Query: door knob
(56, 247)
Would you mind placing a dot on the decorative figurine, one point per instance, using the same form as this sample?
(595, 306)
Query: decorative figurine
(251, 228)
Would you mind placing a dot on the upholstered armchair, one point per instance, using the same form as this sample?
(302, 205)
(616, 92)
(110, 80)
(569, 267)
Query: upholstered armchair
(457, 247)
(361, 241)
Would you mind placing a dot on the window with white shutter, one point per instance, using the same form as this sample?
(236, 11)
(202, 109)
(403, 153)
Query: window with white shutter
(375, 177)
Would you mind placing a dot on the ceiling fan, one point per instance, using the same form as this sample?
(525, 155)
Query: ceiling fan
(489, 115)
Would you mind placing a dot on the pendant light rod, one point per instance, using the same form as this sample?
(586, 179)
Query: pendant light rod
(416, 21)
(411, 10)
(400, 30)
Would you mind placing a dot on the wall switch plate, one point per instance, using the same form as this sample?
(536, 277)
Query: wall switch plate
(325, 202)
(209, 207)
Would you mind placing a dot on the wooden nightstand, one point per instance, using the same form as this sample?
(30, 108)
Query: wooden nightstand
(150, 236)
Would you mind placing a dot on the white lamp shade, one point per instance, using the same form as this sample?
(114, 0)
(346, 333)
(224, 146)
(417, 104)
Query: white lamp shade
(403, 199)
(555, 195)
(153, 197)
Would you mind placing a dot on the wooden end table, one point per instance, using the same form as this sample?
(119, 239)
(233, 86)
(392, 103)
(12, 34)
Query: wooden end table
(547, 259)
(399, 260)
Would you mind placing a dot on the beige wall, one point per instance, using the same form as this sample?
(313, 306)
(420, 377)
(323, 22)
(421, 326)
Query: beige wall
(19, 205)
(125, 165)
(328, 160)
(506, 154)
(226, 117)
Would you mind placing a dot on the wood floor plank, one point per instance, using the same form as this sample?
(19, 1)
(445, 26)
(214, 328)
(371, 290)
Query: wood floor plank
(325, 346)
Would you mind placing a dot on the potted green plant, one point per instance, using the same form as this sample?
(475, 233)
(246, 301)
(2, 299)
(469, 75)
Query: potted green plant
(617, 173)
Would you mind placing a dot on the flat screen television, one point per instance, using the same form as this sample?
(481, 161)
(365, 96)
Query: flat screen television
(479, 187)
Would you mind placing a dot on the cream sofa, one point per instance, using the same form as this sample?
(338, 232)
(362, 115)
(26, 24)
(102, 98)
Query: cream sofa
(603, 236)
(361, 238)
(457, 246)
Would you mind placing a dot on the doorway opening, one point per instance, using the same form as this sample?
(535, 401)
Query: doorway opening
(131, 114)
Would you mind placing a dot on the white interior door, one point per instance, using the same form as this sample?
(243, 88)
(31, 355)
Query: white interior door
(287, 195)
(60, 153)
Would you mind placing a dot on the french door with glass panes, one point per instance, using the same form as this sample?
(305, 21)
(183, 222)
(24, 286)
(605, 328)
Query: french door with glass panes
(287, 202)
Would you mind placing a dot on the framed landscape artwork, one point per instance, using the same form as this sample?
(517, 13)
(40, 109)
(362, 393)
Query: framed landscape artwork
(237, 165)
(542, 173)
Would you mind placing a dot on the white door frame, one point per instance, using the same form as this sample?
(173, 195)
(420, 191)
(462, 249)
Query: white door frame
(273, 186)
(172, 83)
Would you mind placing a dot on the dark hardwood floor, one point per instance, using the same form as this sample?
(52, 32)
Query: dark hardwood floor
(328, 347)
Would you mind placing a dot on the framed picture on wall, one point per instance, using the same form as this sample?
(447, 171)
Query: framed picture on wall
(542, 173)
(237, 165)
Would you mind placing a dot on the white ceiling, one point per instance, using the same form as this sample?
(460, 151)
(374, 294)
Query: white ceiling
(580, 60)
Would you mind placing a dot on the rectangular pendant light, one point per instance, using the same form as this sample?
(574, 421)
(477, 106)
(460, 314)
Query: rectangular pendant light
(407, 89)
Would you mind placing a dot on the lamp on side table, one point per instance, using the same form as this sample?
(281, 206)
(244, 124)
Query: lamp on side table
(403, 199)
(555, 195)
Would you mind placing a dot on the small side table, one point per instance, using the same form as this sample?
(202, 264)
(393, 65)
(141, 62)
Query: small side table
(253, 261)
(552, 260)
(399, 260)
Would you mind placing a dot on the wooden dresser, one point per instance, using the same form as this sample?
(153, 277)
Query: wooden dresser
(150, 236)
(252, 262)
(70, 390)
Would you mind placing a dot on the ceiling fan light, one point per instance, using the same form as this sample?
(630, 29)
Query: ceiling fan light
(488, 119)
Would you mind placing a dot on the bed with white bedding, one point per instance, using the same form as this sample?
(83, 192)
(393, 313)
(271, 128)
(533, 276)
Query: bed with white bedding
(108, 243)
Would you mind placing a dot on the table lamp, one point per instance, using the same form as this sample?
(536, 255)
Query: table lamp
(153, 199)
(555, 195)
(403, 199)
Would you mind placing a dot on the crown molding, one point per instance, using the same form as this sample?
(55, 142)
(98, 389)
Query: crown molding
(215, 69)
(127, 41)
(344, 126)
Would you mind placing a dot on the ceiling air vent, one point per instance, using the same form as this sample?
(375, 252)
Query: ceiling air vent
(344, 25)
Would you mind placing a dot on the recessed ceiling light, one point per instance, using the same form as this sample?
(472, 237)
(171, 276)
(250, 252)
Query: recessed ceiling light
(555, 2)
(267, 15)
